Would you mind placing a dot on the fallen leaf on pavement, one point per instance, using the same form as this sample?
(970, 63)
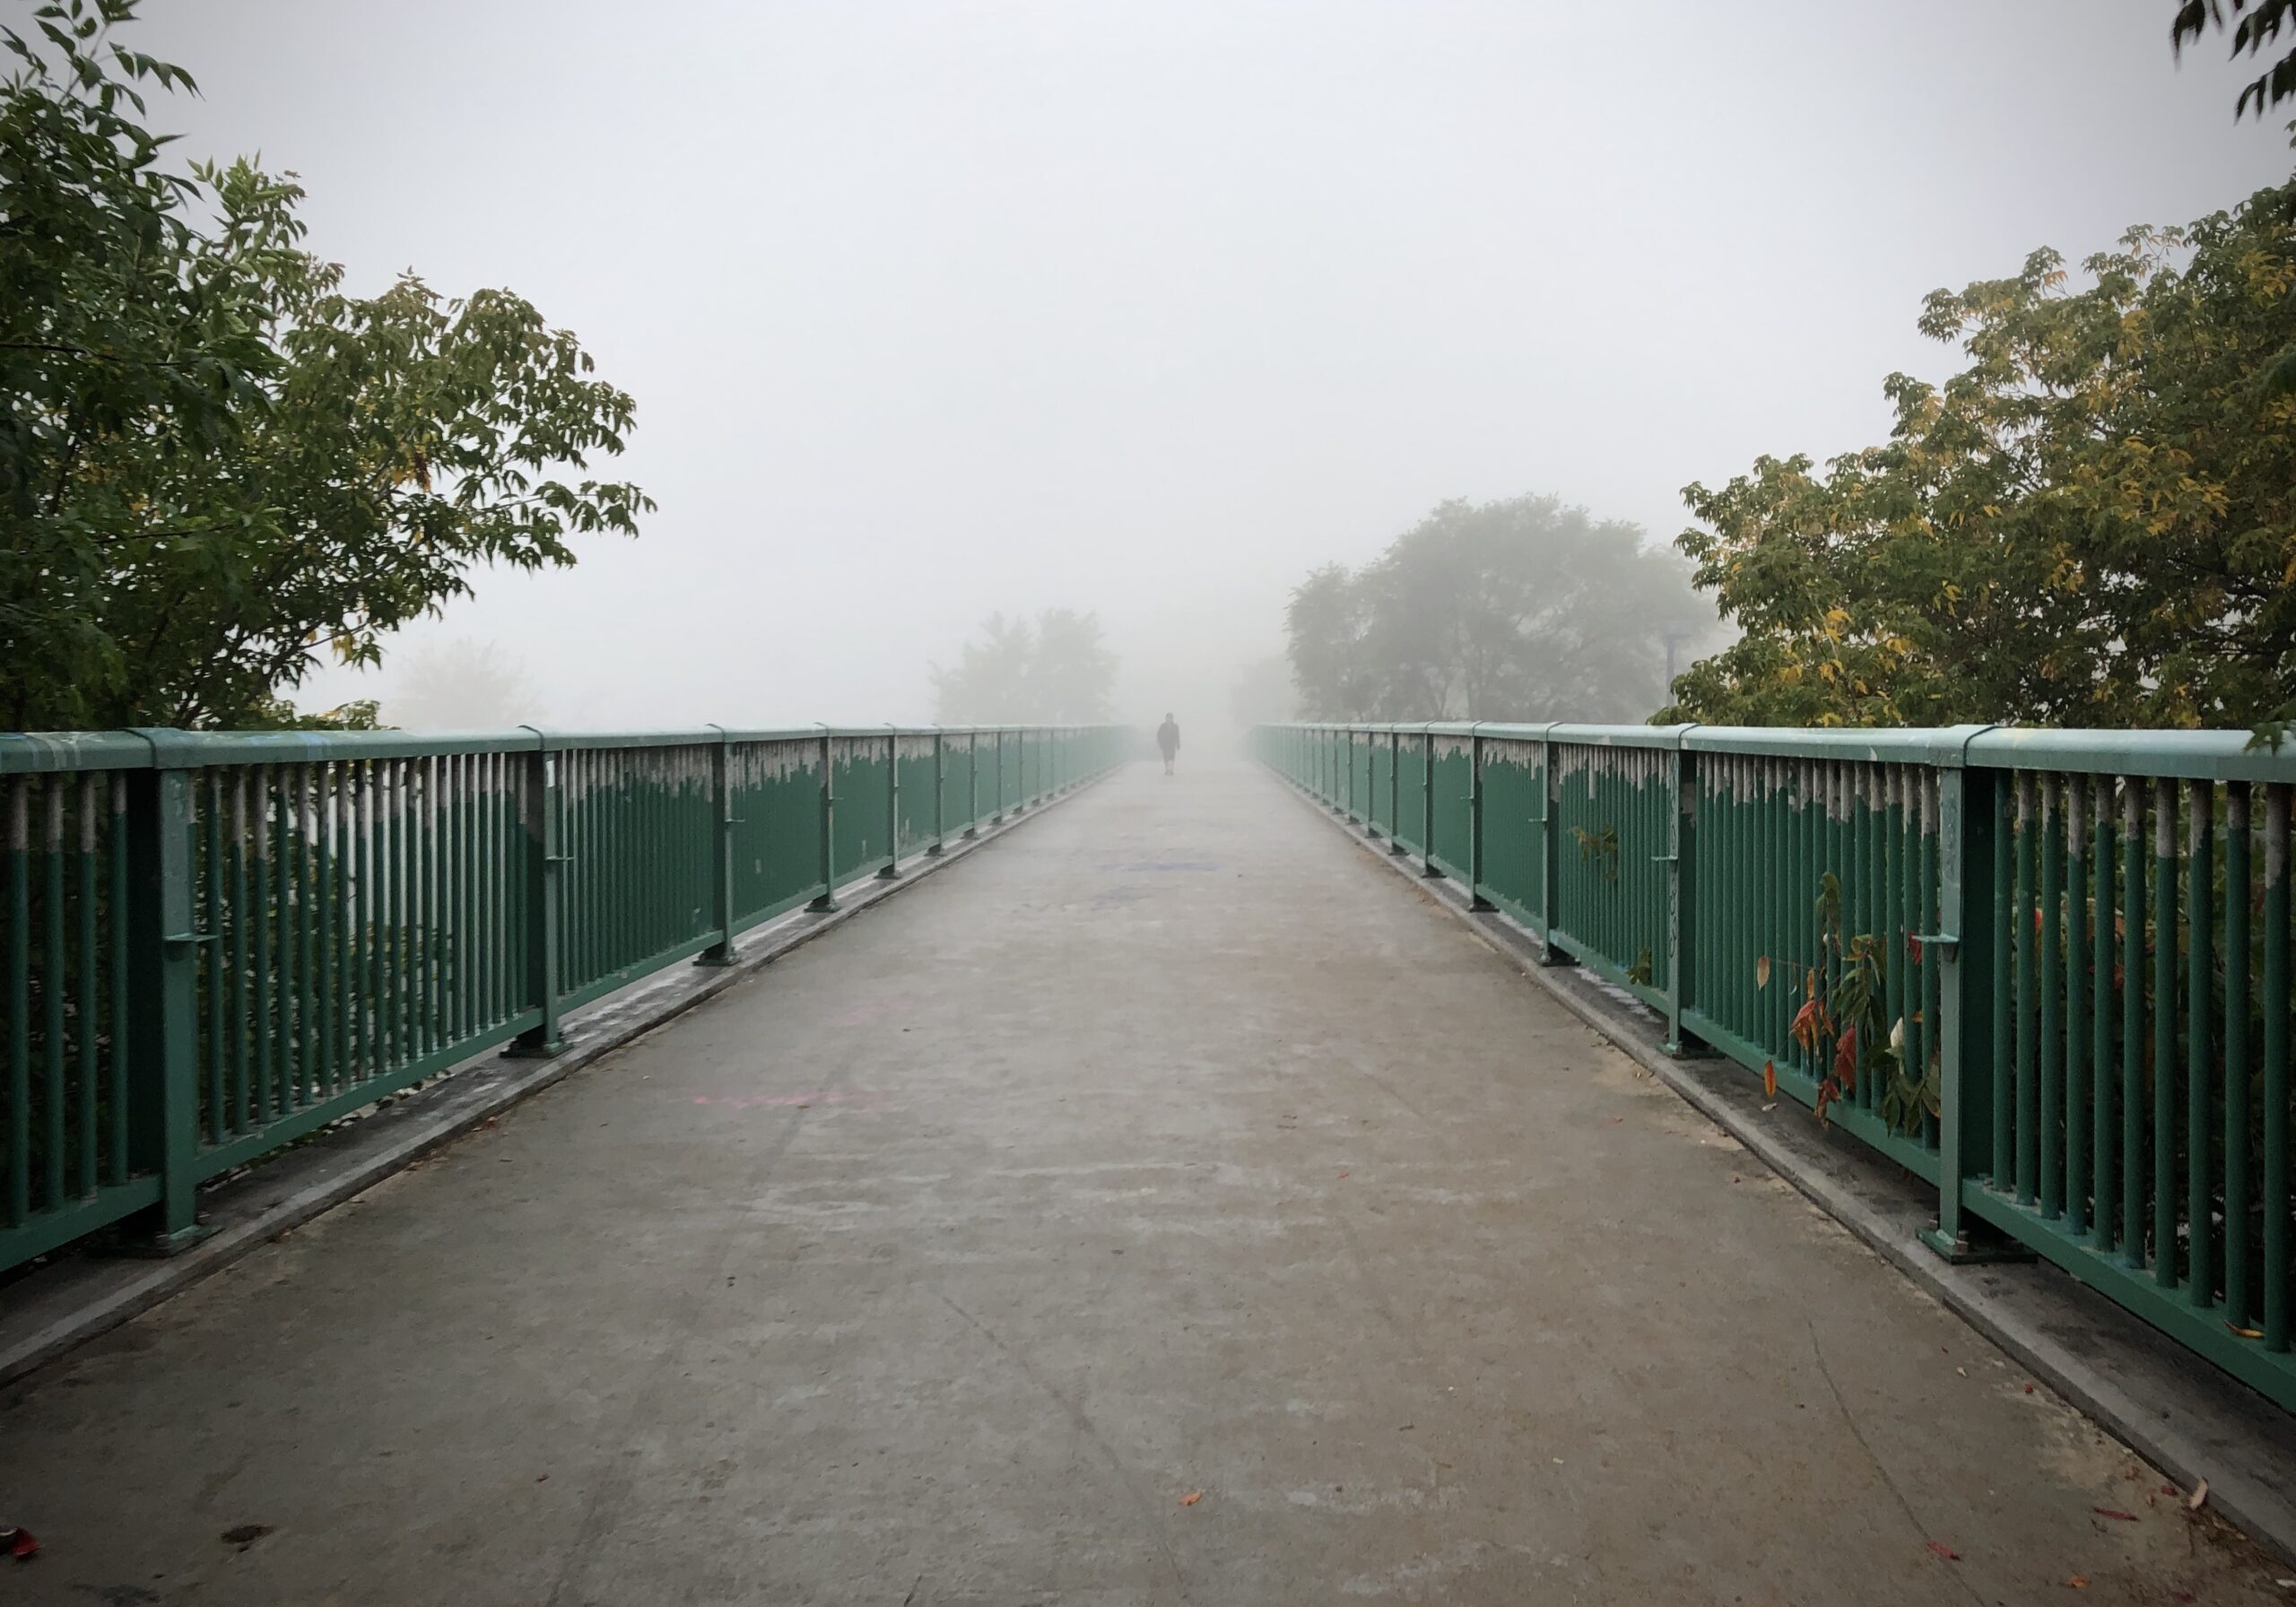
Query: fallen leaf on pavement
(22, 1544)
(2078, 1582)
(1192, 1498)
(2199, 1494)
(2113, 1512)
(1944, 1551)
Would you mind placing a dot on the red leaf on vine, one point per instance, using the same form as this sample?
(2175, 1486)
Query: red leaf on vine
(1808, 1023)
(1913, 947)
(1828, 1092)
(1845, 1059)
(1770, 1079)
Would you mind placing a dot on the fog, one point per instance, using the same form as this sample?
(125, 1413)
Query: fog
(936, 309)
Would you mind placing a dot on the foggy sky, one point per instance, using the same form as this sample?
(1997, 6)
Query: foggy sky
(935, 308)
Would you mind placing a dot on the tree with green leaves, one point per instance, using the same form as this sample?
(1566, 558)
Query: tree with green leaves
(1525, 608)
(2093, 524)
(1052, 670)
(217, 466)
(2254, 24)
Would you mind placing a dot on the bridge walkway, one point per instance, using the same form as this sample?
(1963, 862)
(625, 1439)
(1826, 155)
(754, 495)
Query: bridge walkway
(1119, 1217)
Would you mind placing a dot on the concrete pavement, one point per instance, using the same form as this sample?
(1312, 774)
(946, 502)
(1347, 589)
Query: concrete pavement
(1163, 1206)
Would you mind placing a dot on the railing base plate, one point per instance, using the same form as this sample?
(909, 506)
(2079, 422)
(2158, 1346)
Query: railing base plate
(156, 1247)
(1960, 1251)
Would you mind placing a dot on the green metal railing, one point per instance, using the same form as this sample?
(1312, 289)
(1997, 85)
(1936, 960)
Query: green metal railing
(214, 943)
(2045, 971)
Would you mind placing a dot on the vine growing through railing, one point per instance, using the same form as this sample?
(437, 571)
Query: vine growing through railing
(1841, 1025)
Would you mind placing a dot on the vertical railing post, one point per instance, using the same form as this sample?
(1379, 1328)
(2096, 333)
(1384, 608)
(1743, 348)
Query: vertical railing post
(721, 851)
(163, 968)
(1371, 785)
(1680, 891)
(972, 784)
(1550, 855)
(545, 827)
(825, 900)
(940, 795)
(1427, 802)
(1394, 793)
(997, 818)
(1967, 902)
(1476, 900)
(893, 807)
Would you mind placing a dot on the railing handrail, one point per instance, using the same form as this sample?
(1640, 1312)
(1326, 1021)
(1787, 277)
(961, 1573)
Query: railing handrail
(143, 748)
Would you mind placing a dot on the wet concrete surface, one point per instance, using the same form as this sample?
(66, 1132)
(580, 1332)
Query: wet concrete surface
(1164, 1205)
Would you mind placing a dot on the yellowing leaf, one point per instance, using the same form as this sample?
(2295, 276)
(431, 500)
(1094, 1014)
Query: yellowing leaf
(1770, 1079)
(1762, 971)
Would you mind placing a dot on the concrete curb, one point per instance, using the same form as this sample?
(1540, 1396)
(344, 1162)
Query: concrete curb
(59, 1308)
(2186, 1418)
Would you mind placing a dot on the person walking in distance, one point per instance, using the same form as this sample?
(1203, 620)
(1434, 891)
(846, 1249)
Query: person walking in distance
(1167, 739)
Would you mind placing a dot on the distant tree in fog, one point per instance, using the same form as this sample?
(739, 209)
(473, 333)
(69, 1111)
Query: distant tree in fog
(1052, 672)
(1519, 610)
(462, 686)
(1263, 693)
